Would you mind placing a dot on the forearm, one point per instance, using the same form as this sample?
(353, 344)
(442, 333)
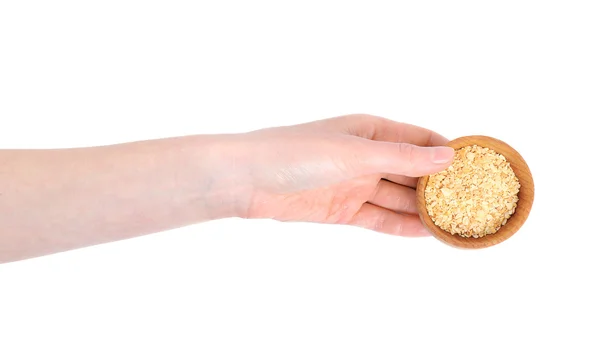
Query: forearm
(56, 200)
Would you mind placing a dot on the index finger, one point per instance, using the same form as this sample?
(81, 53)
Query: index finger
(391, 131)
(386, 130)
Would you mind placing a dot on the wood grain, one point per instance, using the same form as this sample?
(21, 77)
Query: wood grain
(514, 223)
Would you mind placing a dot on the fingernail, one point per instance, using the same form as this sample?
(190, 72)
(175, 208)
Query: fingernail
(442, 155)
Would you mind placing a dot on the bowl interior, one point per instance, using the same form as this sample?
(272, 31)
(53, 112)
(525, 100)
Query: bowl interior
(514, 223)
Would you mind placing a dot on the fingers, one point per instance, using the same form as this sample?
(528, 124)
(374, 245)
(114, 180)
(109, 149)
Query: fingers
(382, 129)
(405, 159)
(409, 134)
(402, 180)
(386, 221)
(395, 197)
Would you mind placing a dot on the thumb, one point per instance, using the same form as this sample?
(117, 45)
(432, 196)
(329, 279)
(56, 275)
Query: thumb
(408, 159)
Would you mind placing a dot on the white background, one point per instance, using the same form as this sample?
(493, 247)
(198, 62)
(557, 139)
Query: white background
(80, 73)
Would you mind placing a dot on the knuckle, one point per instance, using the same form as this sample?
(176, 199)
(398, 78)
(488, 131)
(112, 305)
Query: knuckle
(408, 152)
(379, 222)
(362, 125)
(360, 117)
(399, 229)
(405, 204)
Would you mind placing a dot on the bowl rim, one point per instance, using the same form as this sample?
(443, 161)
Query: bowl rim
(514, 223)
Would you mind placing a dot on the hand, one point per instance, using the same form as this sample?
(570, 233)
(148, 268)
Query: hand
(358, 170)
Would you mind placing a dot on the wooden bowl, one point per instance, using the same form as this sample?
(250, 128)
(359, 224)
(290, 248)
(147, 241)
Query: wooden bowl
(513, 224)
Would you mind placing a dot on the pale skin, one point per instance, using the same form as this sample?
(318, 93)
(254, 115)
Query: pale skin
(356, 170)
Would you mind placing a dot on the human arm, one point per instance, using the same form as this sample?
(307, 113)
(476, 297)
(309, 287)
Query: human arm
(356, 170)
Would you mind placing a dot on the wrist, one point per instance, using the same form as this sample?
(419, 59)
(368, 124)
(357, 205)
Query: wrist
(225, 188)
